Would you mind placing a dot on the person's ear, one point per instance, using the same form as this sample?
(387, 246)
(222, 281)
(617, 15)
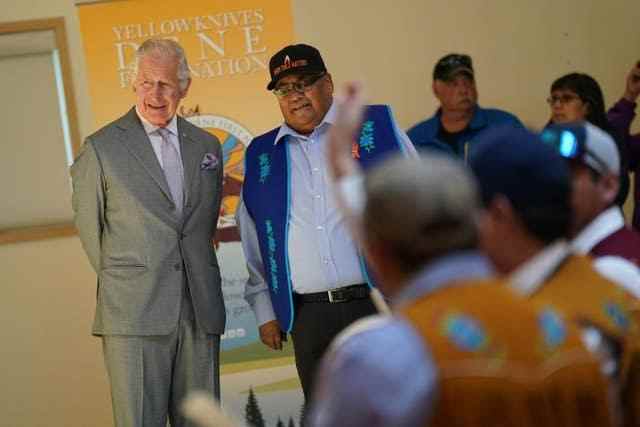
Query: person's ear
(329, 84)
(609, 186)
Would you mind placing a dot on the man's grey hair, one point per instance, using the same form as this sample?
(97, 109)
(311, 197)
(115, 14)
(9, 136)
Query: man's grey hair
(165, 48)
(421, 208)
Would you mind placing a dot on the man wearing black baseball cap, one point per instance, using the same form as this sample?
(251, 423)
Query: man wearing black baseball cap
(459, 120)
(306, 273)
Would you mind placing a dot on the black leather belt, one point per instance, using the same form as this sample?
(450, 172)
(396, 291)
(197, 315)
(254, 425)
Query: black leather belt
(345, 294)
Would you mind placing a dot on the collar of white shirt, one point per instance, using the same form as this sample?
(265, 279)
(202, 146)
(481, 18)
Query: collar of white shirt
(149, 128)
(328, 119)
(527, 278)
(605, 224)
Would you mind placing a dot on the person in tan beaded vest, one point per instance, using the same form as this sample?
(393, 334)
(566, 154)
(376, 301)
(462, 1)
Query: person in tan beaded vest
(527, 197)
(459, 348)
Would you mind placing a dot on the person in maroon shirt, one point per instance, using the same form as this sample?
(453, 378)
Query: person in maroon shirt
(598, 227)
(620, 117)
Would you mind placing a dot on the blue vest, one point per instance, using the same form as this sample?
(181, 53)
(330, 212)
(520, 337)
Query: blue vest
(267, 196)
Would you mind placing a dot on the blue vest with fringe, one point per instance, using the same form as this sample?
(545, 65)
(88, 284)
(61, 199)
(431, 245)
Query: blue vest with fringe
(267, 196)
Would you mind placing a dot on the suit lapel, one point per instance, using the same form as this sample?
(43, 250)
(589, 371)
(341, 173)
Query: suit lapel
(191, 157)
(137, 142)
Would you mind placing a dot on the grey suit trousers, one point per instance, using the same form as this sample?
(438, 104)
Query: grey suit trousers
(150, 375)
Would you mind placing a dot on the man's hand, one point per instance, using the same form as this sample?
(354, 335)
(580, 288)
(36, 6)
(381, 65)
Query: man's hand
(344, 170)
(270, 334)
(632, 90)
(349, 113)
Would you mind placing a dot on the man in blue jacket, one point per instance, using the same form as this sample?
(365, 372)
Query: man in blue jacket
(460, 119)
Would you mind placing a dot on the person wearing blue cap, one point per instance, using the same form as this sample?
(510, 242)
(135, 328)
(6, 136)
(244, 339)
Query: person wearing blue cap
(445, 355)
(526, 190)
(459, 120)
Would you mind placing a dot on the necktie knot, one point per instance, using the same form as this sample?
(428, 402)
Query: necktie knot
(164, 133)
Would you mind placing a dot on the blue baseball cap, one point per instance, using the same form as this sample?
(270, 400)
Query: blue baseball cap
(515, 163)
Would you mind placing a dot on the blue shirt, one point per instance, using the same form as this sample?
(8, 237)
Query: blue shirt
(426, 134)
(322, 253)
(378, 372)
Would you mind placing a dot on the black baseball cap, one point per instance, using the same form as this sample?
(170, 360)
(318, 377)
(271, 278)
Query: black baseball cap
(451, 65)
(295, 59)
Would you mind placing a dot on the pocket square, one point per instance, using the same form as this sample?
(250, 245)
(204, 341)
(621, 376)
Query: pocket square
(209, 162)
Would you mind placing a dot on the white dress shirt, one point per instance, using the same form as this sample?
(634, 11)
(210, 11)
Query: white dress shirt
(322, 253)
(614, 268)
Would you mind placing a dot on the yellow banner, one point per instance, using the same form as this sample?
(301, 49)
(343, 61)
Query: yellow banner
(228, 45)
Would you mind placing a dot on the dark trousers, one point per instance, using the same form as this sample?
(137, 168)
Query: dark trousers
(314, 327)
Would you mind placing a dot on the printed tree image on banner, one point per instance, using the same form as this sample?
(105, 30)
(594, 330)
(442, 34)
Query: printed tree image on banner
(228, 45)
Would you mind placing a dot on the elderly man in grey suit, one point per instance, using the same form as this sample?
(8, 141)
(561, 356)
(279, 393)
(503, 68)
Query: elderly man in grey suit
(146, 196)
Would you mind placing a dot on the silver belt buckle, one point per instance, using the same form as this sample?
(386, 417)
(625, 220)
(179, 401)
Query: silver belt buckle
(333, 299)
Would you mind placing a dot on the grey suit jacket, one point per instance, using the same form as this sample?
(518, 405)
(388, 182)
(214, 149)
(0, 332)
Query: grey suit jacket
(135, 241)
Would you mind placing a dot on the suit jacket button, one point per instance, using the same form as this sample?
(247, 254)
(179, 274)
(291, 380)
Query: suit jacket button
(177, 266)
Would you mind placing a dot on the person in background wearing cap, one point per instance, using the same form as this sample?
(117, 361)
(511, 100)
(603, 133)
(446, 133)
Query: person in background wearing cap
(577, 97)
(459, 120)
(620, 117)
(598, 226)
(306, 276)
(526, 190)
(465, 339)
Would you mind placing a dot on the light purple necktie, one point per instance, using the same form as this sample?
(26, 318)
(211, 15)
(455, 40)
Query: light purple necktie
(172, 166)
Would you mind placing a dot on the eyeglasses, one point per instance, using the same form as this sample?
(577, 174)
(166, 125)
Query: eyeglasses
(562, 99)
(301, 86)
(570, 142)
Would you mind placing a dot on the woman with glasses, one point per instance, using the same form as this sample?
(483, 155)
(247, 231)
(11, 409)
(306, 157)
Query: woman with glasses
(577, 97)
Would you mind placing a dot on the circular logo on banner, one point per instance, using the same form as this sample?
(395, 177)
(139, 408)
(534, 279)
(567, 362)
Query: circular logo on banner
(234, 139)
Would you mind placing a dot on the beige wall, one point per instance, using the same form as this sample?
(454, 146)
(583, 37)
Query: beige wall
(52, 369)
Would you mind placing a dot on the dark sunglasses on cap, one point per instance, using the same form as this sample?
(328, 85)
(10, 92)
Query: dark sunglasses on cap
(570, 142)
